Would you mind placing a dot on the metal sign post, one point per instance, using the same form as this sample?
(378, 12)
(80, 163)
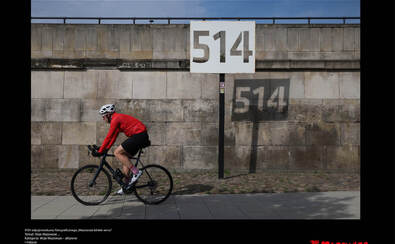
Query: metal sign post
(221, 130)
(222, 47)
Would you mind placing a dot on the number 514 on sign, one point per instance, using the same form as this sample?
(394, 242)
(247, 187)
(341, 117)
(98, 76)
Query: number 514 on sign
(222, 47)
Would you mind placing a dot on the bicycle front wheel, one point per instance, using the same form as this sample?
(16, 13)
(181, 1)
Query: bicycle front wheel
(88, 191)
(154, 185)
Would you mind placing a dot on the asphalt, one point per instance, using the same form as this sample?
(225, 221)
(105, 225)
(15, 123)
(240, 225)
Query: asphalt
(306, 205)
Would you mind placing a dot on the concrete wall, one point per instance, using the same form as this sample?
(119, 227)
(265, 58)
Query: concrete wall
(133, 42)
(318, 129)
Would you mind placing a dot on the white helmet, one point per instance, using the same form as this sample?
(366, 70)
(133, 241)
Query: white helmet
(107, 109)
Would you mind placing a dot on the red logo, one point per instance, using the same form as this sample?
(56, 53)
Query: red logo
(337, 242)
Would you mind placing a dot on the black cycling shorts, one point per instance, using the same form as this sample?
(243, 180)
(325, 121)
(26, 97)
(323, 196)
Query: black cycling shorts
(133, 144)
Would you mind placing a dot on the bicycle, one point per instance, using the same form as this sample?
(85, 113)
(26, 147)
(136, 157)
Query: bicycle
(92, 184)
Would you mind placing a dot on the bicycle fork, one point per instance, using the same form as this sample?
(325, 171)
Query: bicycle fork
(93, 181)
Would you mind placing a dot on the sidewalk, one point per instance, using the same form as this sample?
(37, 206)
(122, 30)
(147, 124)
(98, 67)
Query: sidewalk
(305, 205)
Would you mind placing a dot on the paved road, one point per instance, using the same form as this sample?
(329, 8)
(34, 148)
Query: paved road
(309, 205)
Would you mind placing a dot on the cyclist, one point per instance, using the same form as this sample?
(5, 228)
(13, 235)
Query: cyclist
(137, 135)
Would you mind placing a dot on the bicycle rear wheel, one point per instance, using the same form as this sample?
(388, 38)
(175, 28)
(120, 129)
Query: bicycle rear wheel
(87, 192)
(154, 185)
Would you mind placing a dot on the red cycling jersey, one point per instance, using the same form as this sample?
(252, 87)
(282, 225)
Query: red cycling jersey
(121, 123)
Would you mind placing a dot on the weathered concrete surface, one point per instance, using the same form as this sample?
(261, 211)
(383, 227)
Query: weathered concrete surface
(143, 70)
(83, 133)
(157, 42)
(80, 84)
(47, 84)
(322, 123)
(149, 85)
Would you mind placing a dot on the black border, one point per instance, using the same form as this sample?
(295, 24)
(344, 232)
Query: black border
(377, 159)
(378, 109)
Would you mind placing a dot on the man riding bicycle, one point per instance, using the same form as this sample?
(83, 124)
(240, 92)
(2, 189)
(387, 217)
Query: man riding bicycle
(137, 135)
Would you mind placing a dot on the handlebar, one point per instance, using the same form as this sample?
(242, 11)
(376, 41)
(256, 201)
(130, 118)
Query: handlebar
(93, 147)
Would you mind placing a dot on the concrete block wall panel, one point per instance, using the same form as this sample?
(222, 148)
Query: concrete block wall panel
(350, 134)
(136, 107)
(149, 85)
(91, 38)
(46, 133)
(345, 157)
(55, 110)
(236, 157)
(80, 133)
(200, 110)
(270, 134)
(68, 156)
(324, 85)
(141, 42)
(115, 84)
(323, 134)
(210, 86)
(199, 157)
(81, 84)
(271, 43)
(74, 42)
(306, 158)
(183, 133)
(156, 133)
(108, 41)
(44, 156)
(341, 110)
(35, 44)
(329, 39)
(273, 158)
(177, 88)
(168, 156)
(46, 42)
(169, 41)
(47, 84)
(166, 110)
(350, 85)
(309, 39)
(58, 41)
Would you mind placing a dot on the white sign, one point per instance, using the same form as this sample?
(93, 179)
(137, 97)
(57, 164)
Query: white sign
(222, 47)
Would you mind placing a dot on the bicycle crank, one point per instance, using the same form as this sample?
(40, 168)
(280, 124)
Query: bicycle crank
(128, 191)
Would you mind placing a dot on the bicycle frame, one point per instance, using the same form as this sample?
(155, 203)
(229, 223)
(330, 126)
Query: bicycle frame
(103, 163)
(154, 176)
